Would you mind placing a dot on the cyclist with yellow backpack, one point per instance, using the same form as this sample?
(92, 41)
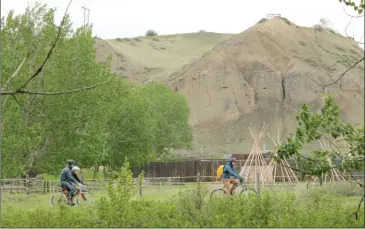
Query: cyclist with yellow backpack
(224, 174)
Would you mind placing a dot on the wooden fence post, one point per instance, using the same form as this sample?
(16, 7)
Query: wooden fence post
(53, 189)
(140, 190)
(27, 184)
(321, 180)
(258, 183)
(198, 179)
(140, 183)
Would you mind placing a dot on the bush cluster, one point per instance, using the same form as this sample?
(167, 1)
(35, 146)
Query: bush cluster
(192, 208)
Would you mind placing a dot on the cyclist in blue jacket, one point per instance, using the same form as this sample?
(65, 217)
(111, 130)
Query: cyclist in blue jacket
(228, 172)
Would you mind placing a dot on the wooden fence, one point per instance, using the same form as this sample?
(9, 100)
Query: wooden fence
(33, 185)
(207, 169)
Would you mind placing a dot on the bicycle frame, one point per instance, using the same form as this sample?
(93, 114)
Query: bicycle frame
(78, 191)
(242, 185)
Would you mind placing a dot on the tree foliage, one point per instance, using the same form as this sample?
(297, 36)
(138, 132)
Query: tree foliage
(148, 128)
(357, 7)
(100, 125)
(326, 124)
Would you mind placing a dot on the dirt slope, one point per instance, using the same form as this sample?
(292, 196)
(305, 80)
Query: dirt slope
(263, 75)
(155, 58)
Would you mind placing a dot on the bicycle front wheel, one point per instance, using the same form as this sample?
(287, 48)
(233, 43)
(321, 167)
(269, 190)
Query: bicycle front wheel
(248, 192)
(217, 193)
(85, 199)
(58, 198)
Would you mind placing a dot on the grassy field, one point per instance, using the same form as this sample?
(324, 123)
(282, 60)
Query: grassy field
(40, 200)
(349, 193)
(189, 206)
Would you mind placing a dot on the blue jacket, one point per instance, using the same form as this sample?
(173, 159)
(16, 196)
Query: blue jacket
(228, 171)
(66, 175)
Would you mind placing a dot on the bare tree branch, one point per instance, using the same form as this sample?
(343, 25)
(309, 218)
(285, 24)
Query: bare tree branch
(22, 91)
(352, 16)
(348, 180)
(343, 57)
(354, 180)
(16, 100)
(295, 169)
(359, 42)
(14, 74)
(340, 77)
(39, 70)
(347, 28)
(309, 159)
(358, 208)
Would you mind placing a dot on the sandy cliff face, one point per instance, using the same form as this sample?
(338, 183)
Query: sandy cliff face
(264, 75)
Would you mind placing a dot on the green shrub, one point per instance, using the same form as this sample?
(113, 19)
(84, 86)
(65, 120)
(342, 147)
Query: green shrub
(344, 189)
(151, 33)
(192, 207)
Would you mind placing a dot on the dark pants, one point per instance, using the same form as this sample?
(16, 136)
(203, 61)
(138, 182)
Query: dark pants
(70, 188)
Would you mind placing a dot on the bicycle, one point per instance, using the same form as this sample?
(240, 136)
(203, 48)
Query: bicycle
(242, 185)
(81, 195)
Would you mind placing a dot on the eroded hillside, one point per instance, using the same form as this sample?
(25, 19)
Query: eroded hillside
(233, 82)
(264, 75)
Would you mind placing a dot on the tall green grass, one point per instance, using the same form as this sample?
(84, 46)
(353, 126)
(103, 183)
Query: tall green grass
(318, 207)
(191, 207)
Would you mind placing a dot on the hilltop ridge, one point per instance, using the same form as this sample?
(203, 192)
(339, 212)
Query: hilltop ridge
(236, 81)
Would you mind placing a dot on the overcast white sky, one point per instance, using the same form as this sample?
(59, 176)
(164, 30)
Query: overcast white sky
(130, 18)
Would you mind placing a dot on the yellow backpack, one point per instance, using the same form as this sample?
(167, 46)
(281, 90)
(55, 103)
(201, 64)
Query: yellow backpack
(220, 172)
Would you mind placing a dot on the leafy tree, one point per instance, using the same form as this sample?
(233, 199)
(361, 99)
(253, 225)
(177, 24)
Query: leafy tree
(171, 111)
(23, 36)
(52, 126)
(313, 126)
(151, 120)
(326, 124)
(62, 104)
(131, 130)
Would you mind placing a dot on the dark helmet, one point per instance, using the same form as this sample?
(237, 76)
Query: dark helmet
(71, 162)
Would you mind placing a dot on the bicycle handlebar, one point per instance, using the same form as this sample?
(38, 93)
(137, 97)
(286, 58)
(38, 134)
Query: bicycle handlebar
(82, 187)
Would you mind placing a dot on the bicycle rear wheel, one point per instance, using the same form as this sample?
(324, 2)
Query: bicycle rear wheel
(58, 198)
(85, 199)
(248, 192)
(217, 193)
